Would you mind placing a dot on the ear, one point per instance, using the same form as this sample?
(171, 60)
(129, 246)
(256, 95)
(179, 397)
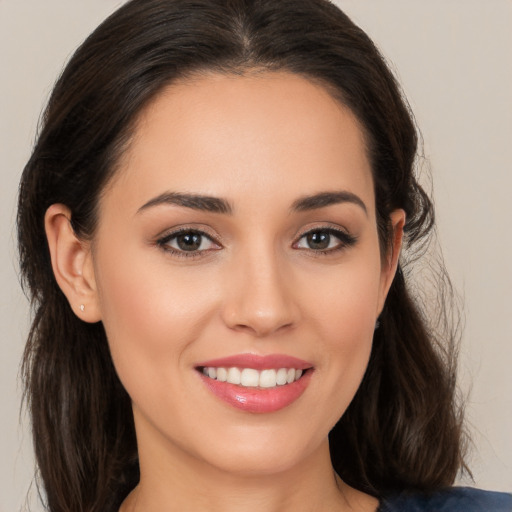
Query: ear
(72, 263)
(390, 262)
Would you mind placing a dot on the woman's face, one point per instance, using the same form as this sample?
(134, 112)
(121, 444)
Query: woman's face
(239, 239)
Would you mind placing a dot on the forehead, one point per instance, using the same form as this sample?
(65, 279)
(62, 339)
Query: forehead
(263, 133)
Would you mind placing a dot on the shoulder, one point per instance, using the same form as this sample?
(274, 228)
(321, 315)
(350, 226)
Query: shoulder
(455, 499)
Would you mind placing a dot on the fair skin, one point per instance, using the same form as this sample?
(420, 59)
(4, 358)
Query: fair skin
(268, 273)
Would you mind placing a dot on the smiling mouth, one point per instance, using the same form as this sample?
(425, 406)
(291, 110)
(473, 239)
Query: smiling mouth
(252, 378)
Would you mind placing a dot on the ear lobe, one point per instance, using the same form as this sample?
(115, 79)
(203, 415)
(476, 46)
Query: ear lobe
(72, 263)
(389, 266)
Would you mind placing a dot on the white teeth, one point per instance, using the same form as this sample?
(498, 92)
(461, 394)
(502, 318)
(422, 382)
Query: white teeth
(268, 379)
(250, 377)
(281, 376)
(234, 376)
(222, 374)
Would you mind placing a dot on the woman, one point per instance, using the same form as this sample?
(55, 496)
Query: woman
(210, 227)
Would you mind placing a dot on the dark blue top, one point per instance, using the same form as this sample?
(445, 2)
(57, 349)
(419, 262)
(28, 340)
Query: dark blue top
(455, 499)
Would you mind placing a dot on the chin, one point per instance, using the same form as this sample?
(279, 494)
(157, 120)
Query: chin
(266, 463)
(264, 452)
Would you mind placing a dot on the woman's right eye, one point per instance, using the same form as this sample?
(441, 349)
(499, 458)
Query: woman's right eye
(187, 243)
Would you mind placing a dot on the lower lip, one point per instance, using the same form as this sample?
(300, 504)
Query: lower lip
(258, 400)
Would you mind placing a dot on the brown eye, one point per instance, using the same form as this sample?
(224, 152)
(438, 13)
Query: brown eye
(187, 241)
(326, 240)
(318, 240)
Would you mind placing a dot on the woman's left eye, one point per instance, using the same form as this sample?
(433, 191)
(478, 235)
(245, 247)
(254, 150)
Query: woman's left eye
(324, 240)
(187, 242)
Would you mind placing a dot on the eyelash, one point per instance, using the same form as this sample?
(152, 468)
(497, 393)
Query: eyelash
(164, 241)
(345, 240)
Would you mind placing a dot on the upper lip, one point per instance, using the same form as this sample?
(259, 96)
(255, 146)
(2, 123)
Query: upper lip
(257, 362)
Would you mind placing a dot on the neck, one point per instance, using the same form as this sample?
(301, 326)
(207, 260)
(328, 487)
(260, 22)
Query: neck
(181, 482)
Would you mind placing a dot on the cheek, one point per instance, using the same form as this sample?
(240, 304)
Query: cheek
(150, 315)
(344, 320)
(344, 299)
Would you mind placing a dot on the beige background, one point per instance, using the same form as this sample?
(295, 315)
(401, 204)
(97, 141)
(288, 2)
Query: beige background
(454, 60)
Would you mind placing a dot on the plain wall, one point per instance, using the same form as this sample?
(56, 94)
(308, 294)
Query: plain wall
(453, 58)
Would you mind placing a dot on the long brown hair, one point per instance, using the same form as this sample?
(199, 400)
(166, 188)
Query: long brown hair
(403, 429)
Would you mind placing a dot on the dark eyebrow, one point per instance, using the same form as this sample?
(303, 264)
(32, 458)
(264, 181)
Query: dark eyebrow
(323, 199)
(194, 201)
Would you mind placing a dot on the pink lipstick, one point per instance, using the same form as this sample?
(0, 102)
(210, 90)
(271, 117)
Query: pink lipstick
(257, 384)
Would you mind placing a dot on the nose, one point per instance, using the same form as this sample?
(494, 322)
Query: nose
(259, 298)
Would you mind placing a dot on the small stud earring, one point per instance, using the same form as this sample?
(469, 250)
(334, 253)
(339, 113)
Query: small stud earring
(377, 324)
(82, 307)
